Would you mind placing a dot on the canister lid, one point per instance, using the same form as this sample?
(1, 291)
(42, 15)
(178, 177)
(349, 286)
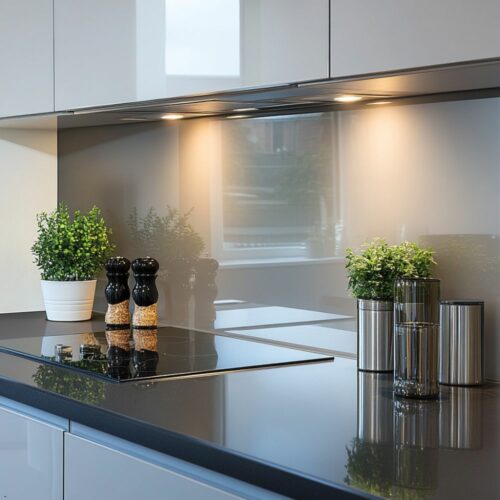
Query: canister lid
(462, 302)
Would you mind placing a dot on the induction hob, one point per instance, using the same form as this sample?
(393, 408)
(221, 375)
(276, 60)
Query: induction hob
(179, 352)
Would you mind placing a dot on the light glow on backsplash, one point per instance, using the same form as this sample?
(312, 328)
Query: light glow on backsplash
(277, 200)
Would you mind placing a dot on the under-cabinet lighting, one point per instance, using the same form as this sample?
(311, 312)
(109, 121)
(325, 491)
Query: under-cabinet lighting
(347, 98)
(244, 110)
(378, 103)
(172, 116)
(234, 117)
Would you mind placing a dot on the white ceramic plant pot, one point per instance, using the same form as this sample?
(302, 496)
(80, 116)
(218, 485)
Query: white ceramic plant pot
(68, 300)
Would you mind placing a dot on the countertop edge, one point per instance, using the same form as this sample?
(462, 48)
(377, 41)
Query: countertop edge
(212, 457)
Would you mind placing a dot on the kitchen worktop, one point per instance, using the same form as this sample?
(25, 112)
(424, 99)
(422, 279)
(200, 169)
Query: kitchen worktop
(304, 430)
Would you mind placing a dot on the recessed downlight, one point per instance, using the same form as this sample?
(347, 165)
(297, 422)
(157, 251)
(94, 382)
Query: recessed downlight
(172, 116)
(244, 110)
(346, 98)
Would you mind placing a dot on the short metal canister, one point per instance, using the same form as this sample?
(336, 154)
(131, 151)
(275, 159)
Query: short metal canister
(461, 342)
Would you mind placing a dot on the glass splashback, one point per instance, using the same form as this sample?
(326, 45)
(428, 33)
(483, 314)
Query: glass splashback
(275, 202)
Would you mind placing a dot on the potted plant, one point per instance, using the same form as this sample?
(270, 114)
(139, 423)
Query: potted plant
(168, 238)
(70, 252)
(371, 276)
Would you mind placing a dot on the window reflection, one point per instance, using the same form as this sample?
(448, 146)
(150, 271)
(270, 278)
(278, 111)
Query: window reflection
(202, 38)
(279, 187)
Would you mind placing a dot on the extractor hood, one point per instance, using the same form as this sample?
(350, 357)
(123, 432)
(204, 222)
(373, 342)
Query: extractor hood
(478, 79)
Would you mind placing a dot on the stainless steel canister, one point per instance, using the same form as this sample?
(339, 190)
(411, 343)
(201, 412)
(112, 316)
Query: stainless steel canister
(416, 360)
(416, 451)
(375, 335)
(461, 418)
(416, 336)
(461, 342)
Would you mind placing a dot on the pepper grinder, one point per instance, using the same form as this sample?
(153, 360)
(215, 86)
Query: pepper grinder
(145, 295)
(117, 294)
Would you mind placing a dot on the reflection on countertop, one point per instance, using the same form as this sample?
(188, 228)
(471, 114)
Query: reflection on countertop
(323, 421)
(407, 448)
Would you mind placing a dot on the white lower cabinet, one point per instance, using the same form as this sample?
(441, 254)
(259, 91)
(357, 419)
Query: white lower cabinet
(40, 459)
(93, 470)
(31, 458)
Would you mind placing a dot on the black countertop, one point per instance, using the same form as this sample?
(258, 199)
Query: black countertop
(303, 431)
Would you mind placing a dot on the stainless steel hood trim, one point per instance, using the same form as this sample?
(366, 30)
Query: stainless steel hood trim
(484, 73)
(468, 80)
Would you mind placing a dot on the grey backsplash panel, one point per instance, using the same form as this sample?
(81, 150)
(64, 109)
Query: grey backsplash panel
(278, 200)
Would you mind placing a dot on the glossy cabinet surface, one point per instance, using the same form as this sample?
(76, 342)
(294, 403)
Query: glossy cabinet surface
(96, 471)
(31, 458)
(26, 57)
(116, 51)
(391, 35)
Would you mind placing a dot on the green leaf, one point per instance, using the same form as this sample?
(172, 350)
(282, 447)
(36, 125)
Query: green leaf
(372, 272)
(58, 251)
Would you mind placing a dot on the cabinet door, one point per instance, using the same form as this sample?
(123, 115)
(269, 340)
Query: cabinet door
(117, 51)
(26, 57)
(31, 458)
(385, 35)
(95, 471)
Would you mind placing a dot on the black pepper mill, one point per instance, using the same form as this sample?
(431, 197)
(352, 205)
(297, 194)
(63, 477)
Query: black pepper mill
(117, 294)
(145, 295)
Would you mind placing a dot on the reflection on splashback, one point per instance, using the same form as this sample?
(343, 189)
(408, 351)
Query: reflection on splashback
(260, 211)
(278, 188)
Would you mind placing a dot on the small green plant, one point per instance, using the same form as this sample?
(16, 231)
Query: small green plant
(73, 385)
(371, 274)
(71, 249)
(167, 238)
(370, 467)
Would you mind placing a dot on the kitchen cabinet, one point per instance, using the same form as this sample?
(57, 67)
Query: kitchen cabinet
(93, 470)
(119, 51)
(390, 35)
(31, 457)
(26, 57)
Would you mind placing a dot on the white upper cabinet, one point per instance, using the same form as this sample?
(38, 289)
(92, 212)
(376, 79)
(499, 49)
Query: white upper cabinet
(118, 51)
(26, 57)
(371, 36)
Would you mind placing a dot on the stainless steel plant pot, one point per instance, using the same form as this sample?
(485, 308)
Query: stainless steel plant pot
(375, 335)
(375, 401)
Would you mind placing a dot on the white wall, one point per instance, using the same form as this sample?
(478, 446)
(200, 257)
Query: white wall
(28, 185)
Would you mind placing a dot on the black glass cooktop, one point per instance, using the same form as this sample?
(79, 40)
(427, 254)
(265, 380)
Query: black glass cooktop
(178, 352)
